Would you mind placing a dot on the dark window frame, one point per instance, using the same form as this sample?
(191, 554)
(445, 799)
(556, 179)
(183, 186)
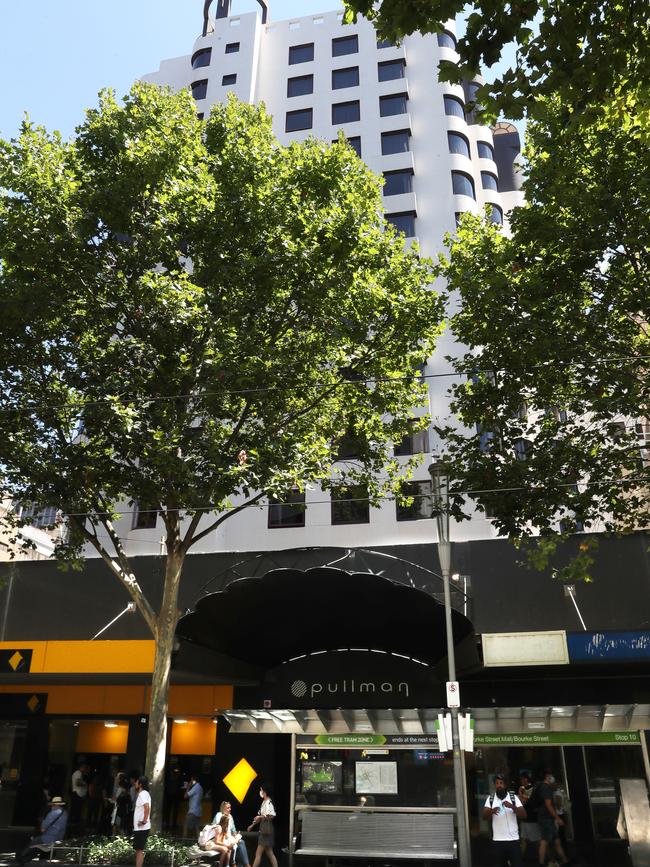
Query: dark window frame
(453, 134)
(414, 443)
(201, 54)
(420, 491)
(308, 112)
(493, 183)
(488, 146)
(496, 210)
(392, 135)
(338, 72)
(229, 78)
(385, 43)
(457, 174)
(145, 518)
(344, 41)
(454, 100)
(391, 64)
(294, 53)
(341, 107)
(411, 214)
(354, 141)
(232, 47)
(351, 509)
(202, 85)
(398, 173)
(385, 100)
(287, 514)
(309, 78)
(449, 36)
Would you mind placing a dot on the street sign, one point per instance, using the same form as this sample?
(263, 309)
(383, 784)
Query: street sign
(453, 693)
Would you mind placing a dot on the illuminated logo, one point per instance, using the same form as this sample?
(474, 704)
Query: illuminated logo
(15, 660)
(239, 779)
(349, 687)
(298, 688)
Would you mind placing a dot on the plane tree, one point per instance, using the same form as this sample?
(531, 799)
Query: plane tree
(192, 315)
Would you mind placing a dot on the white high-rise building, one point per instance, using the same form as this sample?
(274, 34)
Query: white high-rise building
(318, 76)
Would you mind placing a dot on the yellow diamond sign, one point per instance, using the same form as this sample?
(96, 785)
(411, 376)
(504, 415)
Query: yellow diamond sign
(15, 660)
(239, 779)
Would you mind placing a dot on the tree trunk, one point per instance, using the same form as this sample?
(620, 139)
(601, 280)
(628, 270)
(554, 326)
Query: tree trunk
(157, 733)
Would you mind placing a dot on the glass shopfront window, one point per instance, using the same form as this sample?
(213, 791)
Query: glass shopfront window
(606, 765)
(12, 747)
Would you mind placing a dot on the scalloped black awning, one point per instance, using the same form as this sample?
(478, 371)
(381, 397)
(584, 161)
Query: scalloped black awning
(263, 622)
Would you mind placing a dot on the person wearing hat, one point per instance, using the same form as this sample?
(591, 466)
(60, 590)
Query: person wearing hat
(53, 829)
(503, 808)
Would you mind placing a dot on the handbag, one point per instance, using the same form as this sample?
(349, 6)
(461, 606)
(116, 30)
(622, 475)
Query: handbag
(266, 825)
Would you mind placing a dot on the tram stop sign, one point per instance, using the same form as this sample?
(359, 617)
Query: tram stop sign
(453, 693)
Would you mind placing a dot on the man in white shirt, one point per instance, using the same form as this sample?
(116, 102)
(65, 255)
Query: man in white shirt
(141, 819)
(502, 809)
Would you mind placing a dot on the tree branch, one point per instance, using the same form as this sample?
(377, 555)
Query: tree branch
(229, 514)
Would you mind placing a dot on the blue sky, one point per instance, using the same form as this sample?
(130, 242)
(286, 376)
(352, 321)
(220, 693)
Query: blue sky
(55, 55)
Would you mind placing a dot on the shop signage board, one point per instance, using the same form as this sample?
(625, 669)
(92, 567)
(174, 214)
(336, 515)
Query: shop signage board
(525, 648)
(367, 740)
(539, 739)
(598, 646)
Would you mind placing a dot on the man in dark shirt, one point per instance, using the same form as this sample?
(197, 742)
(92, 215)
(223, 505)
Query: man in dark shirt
(549, 820)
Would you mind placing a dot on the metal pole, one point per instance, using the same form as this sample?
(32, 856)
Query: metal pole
(444, 554)
(292, 800)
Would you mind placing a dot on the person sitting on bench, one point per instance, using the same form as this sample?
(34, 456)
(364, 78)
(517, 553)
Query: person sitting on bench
(53, 829)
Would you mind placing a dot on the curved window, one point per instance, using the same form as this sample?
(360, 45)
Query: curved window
(523, 449)
(454, 107)
(200, 88)
(485, 150)
(201, 58)
(462, 184)
(472, 90)
(447, 40)
(458, 144)
(495, 215)
(489, 181)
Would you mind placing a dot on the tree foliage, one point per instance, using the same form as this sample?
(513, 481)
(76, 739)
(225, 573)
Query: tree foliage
(555, 320)
(587, 52)
(191, 317)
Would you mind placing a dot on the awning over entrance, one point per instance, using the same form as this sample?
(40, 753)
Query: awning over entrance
(325, 637)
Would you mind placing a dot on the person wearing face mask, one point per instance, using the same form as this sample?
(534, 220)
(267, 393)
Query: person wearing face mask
(549, 820)
(503, 808)
(264, 819)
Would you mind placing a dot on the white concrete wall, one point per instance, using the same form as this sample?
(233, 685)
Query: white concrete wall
(262, 70)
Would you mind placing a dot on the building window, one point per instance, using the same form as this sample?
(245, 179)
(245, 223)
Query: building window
(421, 506)
(350, 505)
(348, 77)
(489, 181)
(462, 184)
(495, 215)
(523, 449)
(232, 48)
(394, 104)
(458, 144)
(200, 115)
(396, 183)
(454, 107)
(385, 43)
(199, 88)
(396, 142)
(447, 40)
(355, 143)
(572, 526)
(301, 53)
(390, 70)
(300, 86)
(297, 120)
(416, 443)
(144, 518)
(231, 78)
(345, 45)
(404, 222)
(41, 516)
(346, 112)
(289, 512)
(485, 150)
(201, 58)
(350, 446)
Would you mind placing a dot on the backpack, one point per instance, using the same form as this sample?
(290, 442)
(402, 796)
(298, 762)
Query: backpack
(206, 835)
(533, 804)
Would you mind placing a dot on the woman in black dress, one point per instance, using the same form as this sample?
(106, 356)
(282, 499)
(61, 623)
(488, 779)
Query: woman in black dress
(264, 819)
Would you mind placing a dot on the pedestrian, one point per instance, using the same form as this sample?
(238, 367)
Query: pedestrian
(194, 796)
(53, 828)
(265, 839)
(141, 819)
(241, 854)
(529, 797)
(79, 796)
(549, 820)
(503, 808)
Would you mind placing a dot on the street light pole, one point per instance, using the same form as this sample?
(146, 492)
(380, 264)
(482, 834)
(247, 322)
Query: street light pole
(440, 488)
